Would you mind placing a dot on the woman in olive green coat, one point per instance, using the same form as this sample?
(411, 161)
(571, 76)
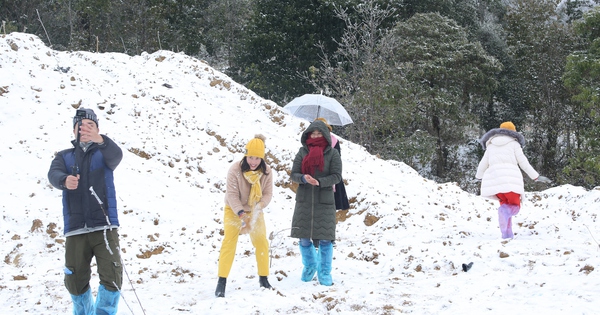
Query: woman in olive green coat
(317, 168)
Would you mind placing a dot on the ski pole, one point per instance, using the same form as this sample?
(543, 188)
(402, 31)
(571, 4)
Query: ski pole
(78, 135)
(111, 252)
(100, 203)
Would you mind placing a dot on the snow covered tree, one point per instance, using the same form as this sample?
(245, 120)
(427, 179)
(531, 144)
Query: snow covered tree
(539, 44)
(225, 22)
(281, 42)
(447, 75)
(352, 74)
(582, 77)
(410, 92)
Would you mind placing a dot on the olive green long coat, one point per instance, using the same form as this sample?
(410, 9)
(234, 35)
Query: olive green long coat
(314, 213)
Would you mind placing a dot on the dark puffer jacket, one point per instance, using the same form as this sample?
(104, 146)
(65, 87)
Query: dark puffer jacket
(314, 214)
(95, 168)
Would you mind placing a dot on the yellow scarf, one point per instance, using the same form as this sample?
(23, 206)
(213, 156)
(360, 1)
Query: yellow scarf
(253, 177)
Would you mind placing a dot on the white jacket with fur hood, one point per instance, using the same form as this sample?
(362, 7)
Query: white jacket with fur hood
(499, 168)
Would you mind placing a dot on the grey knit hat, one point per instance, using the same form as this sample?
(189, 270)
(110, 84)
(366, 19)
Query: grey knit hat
(84, 113)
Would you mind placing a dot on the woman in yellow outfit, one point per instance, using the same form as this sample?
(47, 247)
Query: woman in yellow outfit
(249, 190)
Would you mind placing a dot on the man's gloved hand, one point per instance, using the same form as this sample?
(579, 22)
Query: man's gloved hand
(543, 179)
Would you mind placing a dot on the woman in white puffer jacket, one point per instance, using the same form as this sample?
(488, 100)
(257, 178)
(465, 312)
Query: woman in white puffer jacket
(500, 172)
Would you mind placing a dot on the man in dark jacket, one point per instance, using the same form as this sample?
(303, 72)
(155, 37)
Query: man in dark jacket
(317, 168)
(85, 175)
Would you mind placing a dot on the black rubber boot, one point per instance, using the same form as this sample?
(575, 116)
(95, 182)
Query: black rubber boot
(220, 291)
(264, 283)
(466, 267)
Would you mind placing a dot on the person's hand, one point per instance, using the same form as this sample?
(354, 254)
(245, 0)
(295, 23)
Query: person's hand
(543, 179)
(311, 180)
(241, 214)
(245, 224)
(71, 182)
(89, 132)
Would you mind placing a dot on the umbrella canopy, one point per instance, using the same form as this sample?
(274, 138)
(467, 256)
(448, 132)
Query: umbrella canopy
(313, 106)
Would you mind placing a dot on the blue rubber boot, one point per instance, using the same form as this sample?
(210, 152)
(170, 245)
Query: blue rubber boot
(83, 304)
(309, 260)
(107, 301)
(324, 267)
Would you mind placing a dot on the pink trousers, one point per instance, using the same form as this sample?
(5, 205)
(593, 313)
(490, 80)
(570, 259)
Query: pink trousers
(505, 213)
(510, 204)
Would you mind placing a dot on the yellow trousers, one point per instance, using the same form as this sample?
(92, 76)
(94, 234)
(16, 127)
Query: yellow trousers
(258, 235)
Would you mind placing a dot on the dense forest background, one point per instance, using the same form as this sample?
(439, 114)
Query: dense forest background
(422, 79)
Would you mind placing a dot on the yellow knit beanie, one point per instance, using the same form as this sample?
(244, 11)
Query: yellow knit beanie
(508, 125)
(256, 146)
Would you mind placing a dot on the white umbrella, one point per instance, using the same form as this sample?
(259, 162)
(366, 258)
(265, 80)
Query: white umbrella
(313, 106)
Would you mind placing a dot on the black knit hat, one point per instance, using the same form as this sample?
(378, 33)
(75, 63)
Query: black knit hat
(84, 113)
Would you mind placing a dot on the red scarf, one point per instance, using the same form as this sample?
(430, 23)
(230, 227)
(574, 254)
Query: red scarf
(314, 159)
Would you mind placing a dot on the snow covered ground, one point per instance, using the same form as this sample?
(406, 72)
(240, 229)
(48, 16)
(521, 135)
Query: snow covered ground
(181, 124)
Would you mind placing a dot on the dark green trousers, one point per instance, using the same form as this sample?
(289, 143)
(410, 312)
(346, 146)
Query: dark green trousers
(78, 259)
